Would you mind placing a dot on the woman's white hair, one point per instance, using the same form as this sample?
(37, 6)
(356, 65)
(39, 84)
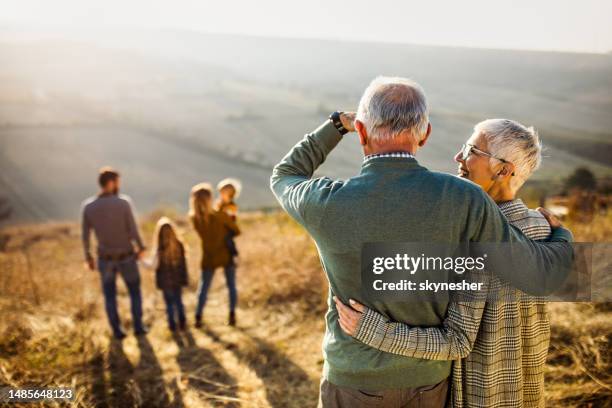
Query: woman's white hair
(515, 143)
(390, 105)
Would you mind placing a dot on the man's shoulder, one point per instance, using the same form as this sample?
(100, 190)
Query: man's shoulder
(121, 199)
(449, 182)
(124, 198)
(460, 184)
(88, 201)
(449, 178)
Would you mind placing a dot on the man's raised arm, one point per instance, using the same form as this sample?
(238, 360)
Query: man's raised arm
(292, 183)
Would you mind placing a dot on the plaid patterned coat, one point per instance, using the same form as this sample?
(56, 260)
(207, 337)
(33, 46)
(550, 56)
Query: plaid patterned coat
(499, 347)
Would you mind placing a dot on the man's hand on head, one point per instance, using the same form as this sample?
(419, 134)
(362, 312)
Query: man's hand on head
(550, 217)
(348, 120)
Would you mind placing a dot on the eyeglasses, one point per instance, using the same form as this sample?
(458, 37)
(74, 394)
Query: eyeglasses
(467, 149)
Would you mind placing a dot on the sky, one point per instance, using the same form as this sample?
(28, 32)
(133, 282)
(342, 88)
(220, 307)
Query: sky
(559, 25)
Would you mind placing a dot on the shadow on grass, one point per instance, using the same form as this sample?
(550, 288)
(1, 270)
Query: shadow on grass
(204, 373)
(150, 378)
(116, 382)
(286, 383)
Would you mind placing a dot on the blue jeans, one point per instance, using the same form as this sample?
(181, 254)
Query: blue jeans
(206, 280)
(174, 301)
(128, 269)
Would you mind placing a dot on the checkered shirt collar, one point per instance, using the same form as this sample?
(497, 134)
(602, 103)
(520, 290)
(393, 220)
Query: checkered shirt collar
(404, 155)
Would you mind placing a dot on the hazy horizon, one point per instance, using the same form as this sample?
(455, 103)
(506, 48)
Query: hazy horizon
(93, 34)
(574, 26)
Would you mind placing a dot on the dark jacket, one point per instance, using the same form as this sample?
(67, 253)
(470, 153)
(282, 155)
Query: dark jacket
(171, 277)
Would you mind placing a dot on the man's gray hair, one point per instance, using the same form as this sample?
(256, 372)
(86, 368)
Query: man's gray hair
(513, 142)
(390, 105)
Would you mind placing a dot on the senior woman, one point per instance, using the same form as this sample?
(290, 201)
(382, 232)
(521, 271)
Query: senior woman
(212, 227)
(499, 347)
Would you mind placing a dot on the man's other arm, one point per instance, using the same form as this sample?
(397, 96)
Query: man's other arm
(292, 183)
(86, 234)
(86, 228)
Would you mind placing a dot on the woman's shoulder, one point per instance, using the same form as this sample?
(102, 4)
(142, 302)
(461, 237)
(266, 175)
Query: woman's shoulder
(533, 224)
(220, 214)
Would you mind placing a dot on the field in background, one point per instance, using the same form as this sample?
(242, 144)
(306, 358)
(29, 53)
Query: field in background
(53, 329)
(164, 106)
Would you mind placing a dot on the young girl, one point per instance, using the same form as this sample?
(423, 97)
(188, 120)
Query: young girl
(170, 270)
(229, 190)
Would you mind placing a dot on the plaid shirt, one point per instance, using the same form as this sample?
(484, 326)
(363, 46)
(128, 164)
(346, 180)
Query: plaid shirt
(499, 348)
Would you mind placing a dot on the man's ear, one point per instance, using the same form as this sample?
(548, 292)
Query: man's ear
(362, 132)
(427, 133)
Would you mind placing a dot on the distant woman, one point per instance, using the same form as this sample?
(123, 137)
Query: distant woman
(499, 347)
(213, 227)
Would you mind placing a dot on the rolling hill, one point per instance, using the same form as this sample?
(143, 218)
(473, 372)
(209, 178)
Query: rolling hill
(171, 108)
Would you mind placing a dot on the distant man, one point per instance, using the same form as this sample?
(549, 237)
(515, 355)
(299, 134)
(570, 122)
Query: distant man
(119, 246)
(392, 199)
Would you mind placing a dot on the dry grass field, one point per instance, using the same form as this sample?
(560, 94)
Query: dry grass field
(53, 331)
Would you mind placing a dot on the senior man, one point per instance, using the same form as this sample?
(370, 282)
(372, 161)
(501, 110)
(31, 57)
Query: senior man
(393, 199)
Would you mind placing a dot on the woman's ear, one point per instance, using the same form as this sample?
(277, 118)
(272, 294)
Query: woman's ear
(362, 132)
(506, 170)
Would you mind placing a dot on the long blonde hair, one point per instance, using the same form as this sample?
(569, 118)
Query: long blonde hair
(167, 251)
(200, 203)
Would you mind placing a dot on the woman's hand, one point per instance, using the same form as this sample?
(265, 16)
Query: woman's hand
(348, 317)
